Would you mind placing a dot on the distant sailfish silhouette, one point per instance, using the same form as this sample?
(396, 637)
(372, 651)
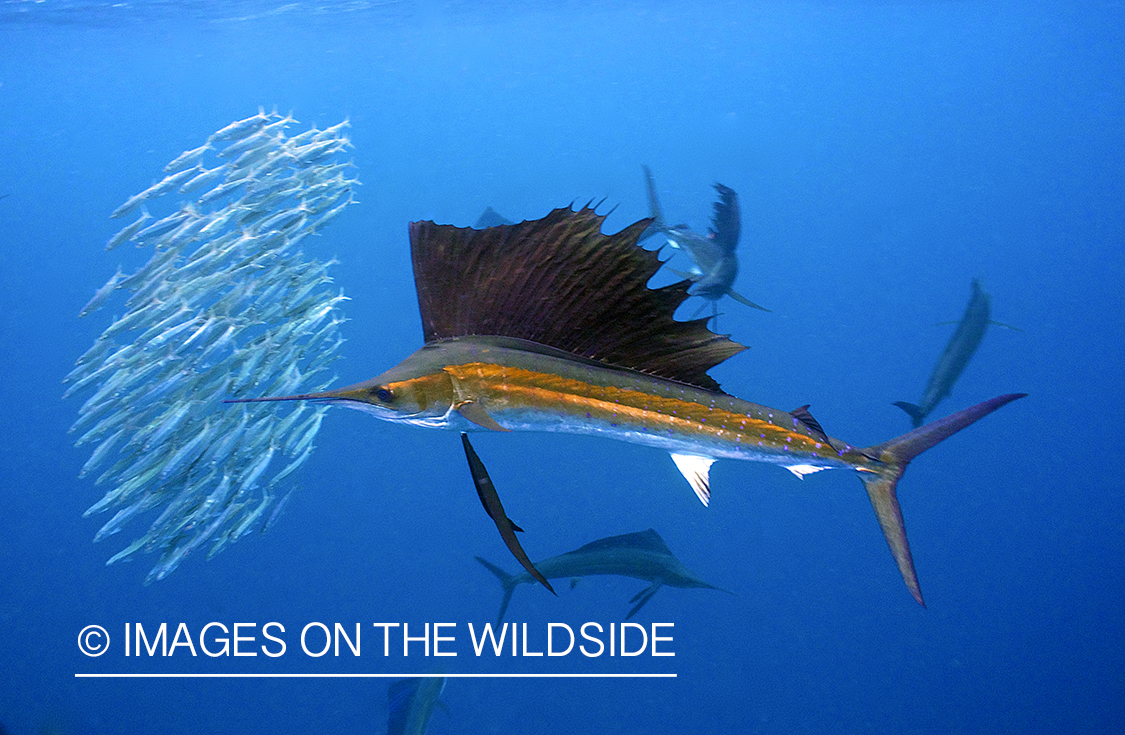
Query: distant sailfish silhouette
(491, 218)
(549, 325)
(714, 262)
(964, 342)
(411, 703)
(642, 555)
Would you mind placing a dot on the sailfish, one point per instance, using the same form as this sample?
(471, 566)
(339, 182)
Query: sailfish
(642, 555)
(960, 348)
(714, 262)
(549, 325)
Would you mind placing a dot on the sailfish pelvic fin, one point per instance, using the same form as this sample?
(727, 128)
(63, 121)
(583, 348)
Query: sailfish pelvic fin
(642, 597)
(696, 470)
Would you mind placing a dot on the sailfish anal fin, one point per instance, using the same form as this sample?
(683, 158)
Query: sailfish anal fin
(696, 470)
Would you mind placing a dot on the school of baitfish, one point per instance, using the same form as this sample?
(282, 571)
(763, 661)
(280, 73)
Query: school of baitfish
(226, 297)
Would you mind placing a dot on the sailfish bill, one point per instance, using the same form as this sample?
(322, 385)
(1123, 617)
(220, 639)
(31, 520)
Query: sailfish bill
(549, 325)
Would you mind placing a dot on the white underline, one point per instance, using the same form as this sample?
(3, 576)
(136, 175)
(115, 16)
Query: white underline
(374, 676)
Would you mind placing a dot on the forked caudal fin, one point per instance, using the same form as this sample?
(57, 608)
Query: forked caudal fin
(509, 583)
(915, 412)
(895, 455)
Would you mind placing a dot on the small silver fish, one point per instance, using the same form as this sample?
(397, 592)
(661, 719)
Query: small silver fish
(103, 293)
(241, 128)
(208, 316)
(130, 205)
(126, 234)
(220, 191)
(202, 179)
(171, 181)
(259, 139)
(331, 214)
(186, 158)
(162, 226)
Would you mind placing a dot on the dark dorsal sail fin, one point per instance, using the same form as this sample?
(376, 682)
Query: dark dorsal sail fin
(726, 222)
(649, 540)
(560, 282)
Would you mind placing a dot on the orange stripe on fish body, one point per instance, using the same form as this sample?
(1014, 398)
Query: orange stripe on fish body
(504, 388)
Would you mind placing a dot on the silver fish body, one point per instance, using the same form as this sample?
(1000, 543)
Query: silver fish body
(186, 158)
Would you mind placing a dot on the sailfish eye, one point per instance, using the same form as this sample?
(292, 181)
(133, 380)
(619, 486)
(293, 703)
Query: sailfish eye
(384, 394)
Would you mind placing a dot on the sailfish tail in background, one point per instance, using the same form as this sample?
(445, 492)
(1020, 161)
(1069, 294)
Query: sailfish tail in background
(658, 222)
(508, 581)
(916, 413)
(895, 455)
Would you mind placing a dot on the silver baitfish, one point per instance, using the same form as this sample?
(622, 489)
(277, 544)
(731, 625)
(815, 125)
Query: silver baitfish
(227, 305)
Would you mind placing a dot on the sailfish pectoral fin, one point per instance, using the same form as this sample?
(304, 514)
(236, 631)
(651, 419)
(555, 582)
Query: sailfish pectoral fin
(686, 275)
(745, 301)
(696, 470)
(489, 498)
(642, 597)
(474, 412)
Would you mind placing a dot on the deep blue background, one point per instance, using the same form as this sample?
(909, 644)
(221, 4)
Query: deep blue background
(885, 154)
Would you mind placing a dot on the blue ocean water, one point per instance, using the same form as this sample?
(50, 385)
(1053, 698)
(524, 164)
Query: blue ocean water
(885, 154)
